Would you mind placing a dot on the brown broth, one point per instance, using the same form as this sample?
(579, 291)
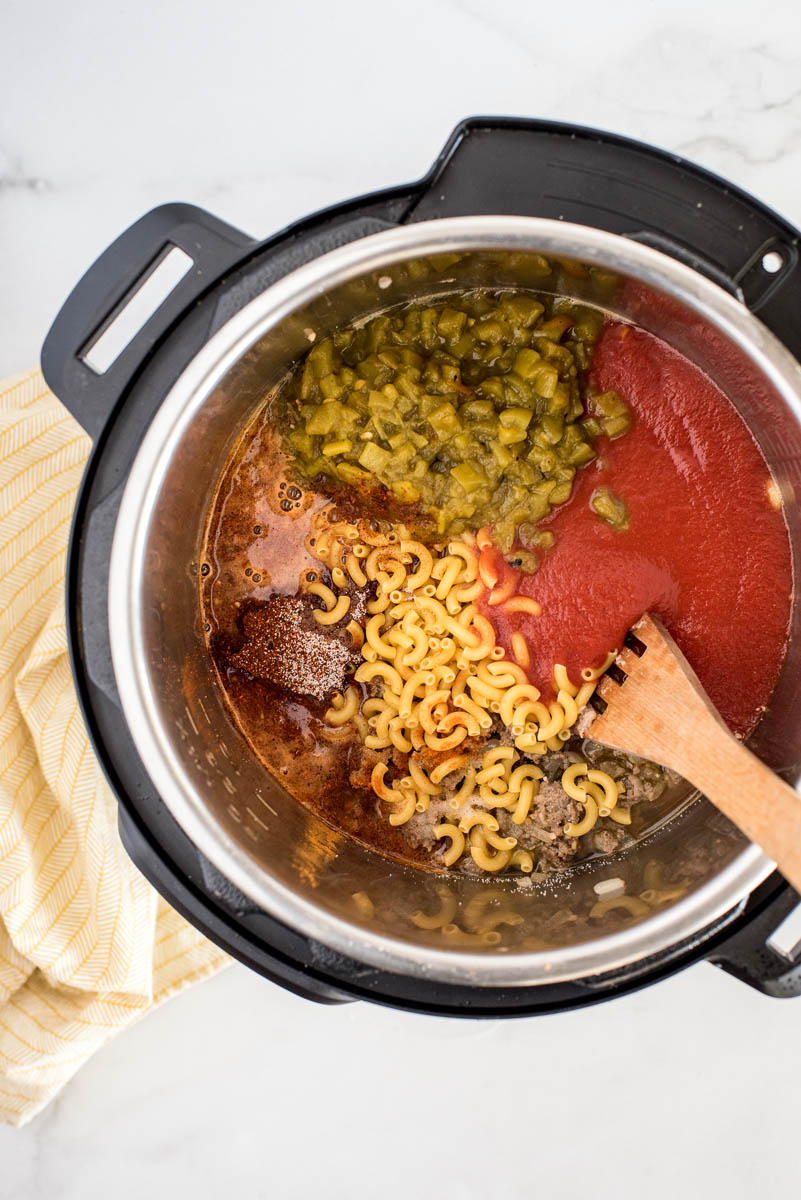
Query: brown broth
(255, 548)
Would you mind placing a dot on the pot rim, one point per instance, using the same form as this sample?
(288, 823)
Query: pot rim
(683, 920)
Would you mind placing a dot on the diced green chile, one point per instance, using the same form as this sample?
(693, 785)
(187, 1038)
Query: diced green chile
(610, 508)
(472, 412)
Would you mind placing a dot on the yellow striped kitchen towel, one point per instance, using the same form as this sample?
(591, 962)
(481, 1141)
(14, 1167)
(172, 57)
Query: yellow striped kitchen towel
(86, 945)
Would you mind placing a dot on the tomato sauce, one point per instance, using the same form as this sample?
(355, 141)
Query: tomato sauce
(706, 550)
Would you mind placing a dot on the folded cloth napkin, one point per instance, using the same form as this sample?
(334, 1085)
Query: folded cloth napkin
(86, 945)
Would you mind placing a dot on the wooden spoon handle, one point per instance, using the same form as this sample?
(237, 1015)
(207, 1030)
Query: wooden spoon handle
(762, 805)
(661, 712)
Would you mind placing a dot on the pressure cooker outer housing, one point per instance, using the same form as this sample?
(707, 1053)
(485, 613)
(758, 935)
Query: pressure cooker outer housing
(487, 167)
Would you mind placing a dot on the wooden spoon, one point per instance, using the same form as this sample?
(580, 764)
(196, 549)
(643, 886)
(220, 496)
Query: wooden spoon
(661, 712)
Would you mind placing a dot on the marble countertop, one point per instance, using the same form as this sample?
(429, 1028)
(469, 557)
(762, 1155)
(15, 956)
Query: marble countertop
(262, 113)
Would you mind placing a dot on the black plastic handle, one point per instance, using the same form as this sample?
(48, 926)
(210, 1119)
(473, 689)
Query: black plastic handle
(220, 920)
(749, 956)
(104, 290)
(569, 173)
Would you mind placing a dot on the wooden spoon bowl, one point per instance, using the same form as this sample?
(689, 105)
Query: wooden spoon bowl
(658, 709)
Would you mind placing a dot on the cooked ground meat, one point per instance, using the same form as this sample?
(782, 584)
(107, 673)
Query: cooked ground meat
(584, 723)
(643, 780)
(282, 643)
(551, 811)
(555, 763)
(420, 829)
(612, 767)
(361, 763)
(557, 854)
(553, 808)
(606, 841)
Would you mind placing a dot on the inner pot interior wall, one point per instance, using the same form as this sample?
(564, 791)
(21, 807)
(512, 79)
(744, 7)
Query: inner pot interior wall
(291, 845)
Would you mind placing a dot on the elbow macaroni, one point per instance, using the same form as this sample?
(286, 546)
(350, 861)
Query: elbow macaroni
(437, 678)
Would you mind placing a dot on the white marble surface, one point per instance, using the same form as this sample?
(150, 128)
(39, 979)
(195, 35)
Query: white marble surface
(262, 112)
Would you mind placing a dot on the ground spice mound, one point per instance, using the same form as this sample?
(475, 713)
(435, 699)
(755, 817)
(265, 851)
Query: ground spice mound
(284, 644)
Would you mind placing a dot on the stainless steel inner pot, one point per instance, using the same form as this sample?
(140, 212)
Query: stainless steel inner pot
(455, 929)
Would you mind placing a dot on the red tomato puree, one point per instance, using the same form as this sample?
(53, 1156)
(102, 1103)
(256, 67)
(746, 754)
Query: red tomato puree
(706, 550)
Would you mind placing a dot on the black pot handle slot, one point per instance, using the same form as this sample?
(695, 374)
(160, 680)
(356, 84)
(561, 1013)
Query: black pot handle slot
(766, 952)
(128, 299)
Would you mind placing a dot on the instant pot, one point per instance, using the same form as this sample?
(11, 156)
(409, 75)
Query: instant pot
(507, 203)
